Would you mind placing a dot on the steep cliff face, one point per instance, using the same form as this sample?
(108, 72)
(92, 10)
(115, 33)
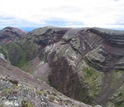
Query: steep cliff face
(86, 64)
(11, 34)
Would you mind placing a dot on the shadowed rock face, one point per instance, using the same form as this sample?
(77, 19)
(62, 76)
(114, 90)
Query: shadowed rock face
(10, 34)
(47, 35)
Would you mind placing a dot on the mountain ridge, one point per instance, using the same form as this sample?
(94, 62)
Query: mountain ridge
(85, 64)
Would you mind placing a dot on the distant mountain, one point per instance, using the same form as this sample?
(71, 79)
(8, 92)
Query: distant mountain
(10, 34)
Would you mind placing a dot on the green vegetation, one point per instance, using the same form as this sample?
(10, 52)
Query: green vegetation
(3, 51)
(6, 90)
(26, 66)
(92, 81)
(120, 94)
(89, 71)
(90, 77)
(26, 104)
(119, 104)
(38, 92)
(19, 53)
(82, 95)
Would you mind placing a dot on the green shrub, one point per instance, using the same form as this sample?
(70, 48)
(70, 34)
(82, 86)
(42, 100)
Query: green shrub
(89, 71)
(26, 104)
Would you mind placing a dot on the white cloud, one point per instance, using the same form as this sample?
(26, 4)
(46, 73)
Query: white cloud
(100, 13)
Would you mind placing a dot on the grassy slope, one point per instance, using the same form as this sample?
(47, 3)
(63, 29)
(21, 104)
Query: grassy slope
(19, 53)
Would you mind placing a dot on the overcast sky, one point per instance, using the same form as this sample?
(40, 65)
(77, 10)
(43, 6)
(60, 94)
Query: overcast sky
(70, 13)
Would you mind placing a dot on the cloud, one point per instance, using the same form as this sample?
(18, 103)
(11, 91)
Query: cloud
(17, 23)
(79, 13)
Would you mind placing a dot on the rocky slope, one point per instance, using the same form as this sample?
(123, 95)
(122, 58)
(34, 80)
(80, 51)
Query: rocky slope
(10, 34)
(19, 89)
(84, 64)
